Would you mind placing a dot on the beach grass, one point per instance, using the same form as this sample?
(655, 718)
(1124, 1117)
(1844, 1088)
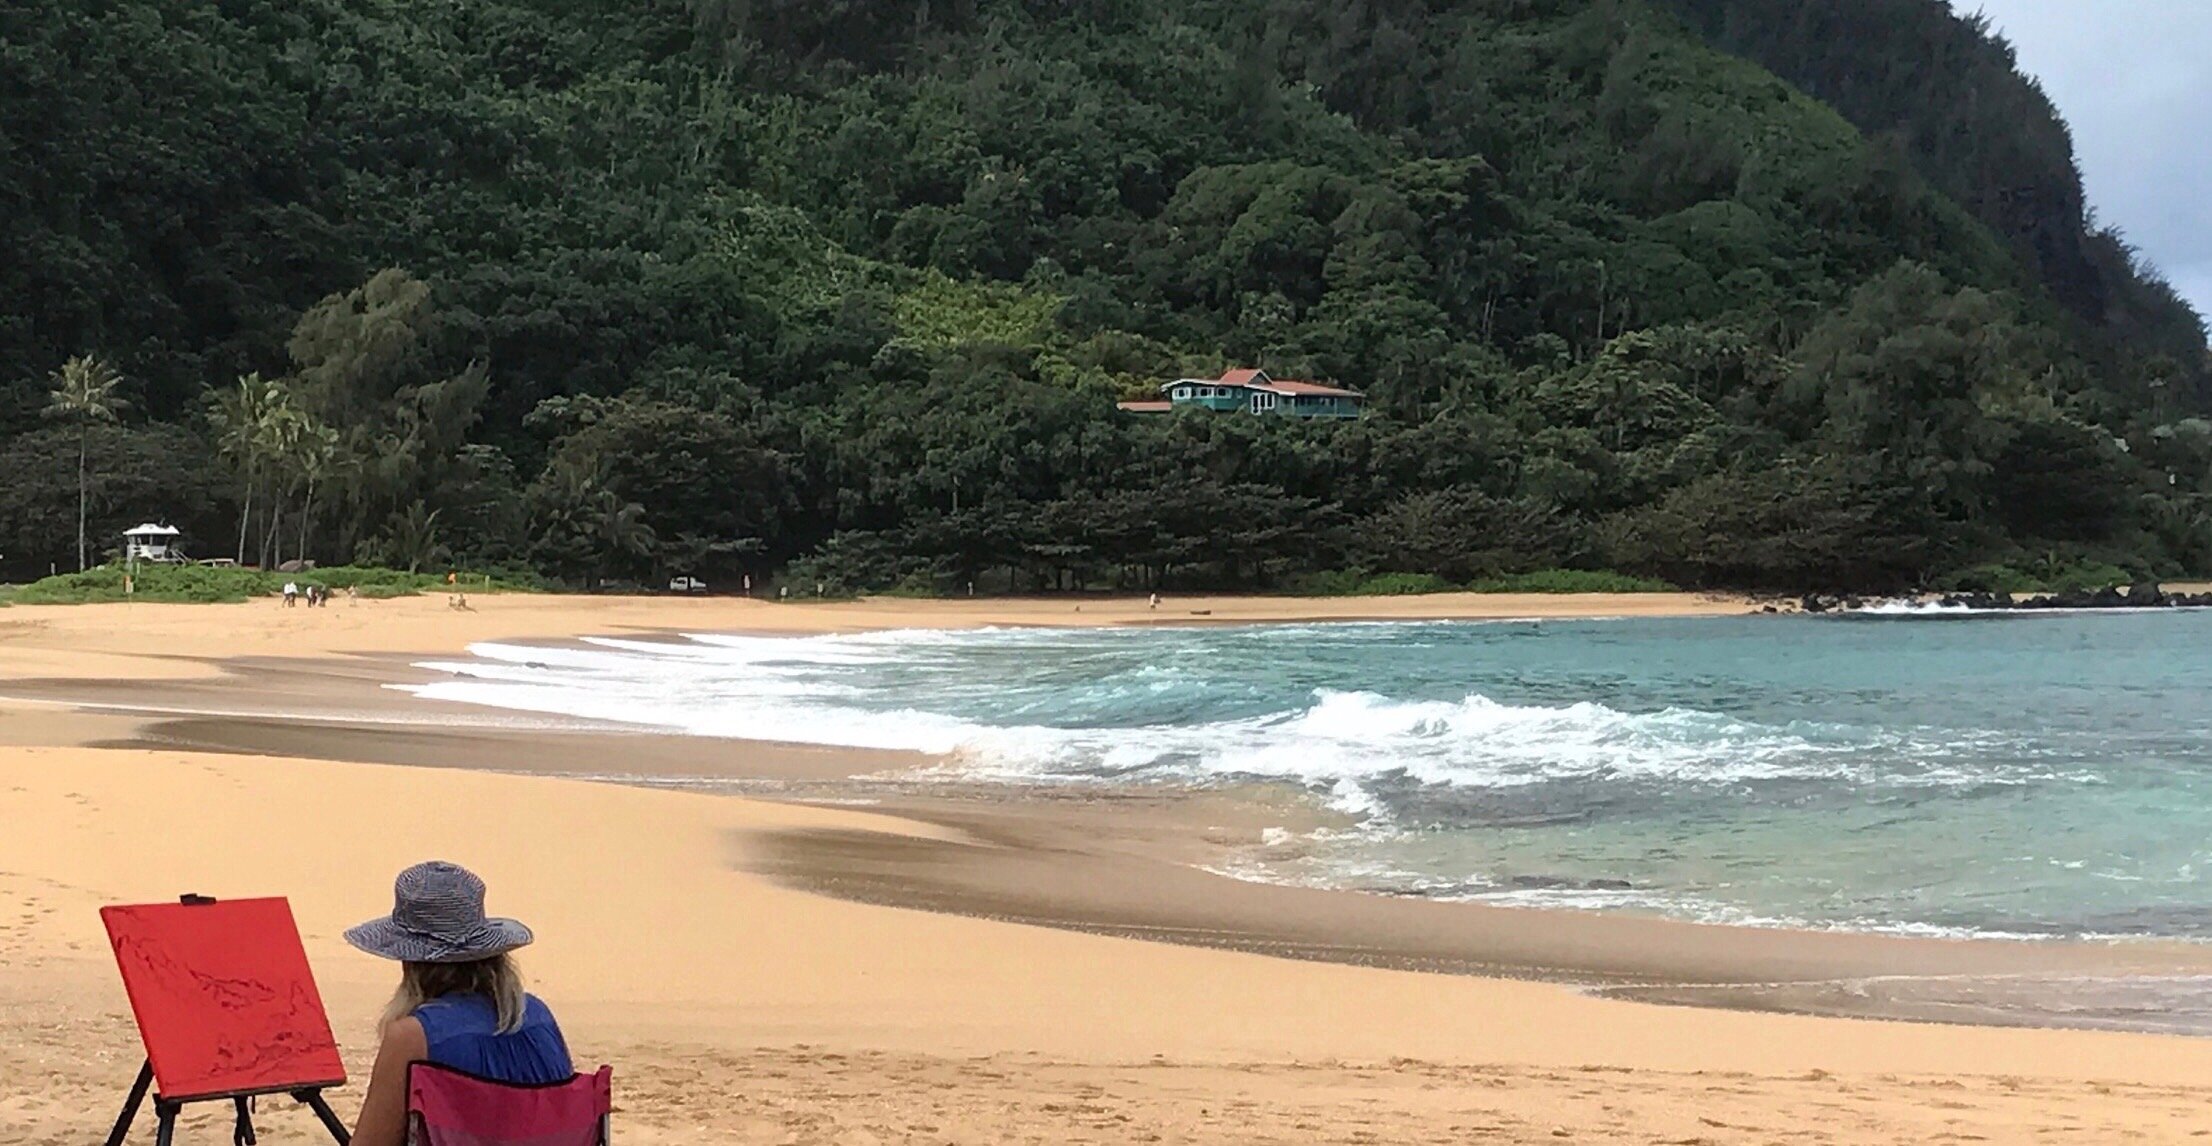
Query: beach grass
(201, 584)
(1570, 581)
(1360, 583)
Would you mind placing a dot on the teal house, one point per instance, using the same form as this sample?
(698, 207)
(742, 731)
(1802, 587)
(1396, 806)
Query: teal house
(1254, 392)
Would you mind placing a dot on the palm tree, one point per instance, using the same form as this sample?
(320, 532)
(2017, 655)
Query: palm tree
(412, 538)
(622, 528)
(584, 528)
(84, 393)
(317, 461)
(243, 420)
(284, 426)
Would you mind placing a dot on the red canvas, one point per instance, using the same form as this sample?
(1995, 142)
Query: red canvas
(224, 998)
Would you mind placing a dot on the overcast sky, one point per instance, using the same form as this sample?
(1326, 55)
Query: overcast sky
(2134, 80)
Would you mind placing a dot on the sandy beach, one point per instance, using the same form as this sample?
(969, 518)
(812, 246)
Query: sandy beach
(757, 969)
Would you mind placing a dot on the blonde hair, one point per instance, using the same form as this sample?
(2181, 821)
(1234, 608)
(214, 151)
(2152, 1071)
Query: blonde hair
(494, 978)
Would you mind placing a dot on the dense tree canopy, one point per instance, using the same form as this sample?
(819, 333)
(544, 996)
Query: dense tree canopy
(849, 289)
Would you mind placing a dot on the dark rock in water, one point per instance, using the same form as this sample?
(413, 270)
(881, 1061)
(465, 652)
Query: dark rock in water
(2144, 595)
(1610, 885)
(1770, 609)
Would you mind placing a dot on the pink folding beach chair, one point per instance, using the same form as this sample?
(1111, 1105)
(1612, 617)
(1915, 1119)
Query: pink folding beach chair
(447, 1107)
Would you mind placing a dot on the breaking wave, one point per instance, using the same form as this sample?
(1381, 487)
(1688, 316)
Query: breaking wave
(836, 691)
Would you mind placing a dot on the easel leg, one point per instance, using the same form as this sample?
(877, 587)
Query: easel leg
(130, 1105)
(243, 1134)
(165, 1124)
(314, 1101)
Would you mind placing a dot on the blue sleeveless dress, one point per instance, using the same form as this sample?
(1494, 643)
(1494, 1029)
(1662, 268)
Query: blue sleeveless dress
(463, 1033)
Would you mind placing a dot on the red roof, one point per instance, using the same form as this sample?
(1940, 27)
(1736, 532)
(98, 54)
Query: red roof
(1242, 377)
(1314, 389)
(1146, 407)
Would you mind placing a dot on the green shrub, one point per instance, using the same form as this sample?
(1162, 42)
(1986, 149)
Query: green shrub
(1994, 577)
(2045, 575)
(1333, 583)
(1361, 583)
(851, 563)
(2086, 574)
(1570, 581)
(1403, 585)
(189, 583)
(214, 584)
(917, 585)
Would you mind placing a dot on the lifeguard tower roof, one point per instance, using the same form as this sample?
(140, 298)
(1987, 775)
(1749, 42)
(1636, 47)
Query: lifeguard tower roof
(151, 530)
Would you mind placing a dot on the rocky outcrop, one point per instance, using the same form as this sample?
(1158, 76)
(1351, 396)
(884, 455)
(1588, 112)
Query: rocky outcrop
(2141, 595)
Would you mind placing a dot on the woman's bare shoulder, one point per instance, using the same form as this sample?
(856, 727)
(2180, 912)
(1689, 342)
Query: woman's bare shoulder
(404, 1036)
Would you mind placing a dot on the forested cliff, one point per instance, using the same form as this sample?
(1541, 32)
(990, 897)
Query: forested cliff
(850, 287)
(1950, 92)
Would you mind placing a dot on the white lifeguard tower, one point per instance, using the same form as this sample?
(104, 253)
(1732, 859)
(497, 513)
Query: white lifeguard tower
(156, 544)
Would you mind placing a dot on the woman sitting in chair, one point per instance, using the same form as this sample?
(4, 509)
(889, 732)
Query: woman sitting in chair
(460, 1002)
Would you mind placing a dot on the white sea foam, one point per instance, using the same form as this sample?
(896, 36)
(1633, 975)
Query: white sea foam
(818, 691)
(1580, 787)
(1913, 607)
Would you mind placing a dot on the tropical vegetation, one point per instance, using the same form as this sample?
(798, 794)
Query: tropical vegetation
(845, 291)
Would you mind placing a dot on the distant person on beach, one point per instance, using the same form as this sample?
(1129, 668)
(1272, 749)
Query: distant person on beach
(460, 1002)
(1155, 601)
(291, 593)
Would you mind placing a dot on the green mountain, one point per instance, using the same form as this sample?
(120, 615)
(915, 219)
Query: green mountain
(1949, 91)
(849, 288)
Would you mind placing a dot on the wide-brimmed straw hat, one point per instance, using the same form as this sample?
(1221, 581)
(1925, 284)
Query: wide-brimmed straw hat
(438, 917)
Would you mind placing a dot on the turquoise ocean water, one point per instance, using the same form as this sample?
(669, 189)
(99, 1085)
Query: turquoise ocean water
(2026, 775)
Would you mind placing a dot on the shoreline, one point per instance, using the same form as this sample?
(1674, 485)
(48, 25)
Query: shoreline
(1134, 863)
(959, 956)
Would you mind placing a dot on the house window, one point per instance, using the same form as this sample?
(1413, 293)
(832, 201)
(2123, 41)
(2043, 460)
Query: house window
(1182, 391)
